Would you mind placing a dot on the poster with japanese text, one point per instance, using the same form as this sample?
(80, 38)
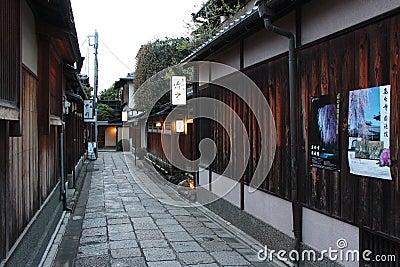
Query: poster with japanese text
(369, 132)
(323, 137)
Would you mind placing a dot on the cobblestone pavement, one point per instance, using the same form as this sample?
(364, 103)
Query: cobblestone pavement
(124, 226)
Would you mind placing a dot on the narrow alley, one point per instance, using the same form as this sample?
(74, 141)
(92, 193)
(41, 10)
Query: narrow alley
(116, 223)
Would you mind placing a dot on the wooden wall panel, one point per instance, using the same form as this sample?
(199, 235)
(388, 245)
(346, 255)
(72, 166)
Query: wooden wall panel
(10, 52)
(32, 173)
(4, 150)
(394, 64)
(377, 59)
(364, 58)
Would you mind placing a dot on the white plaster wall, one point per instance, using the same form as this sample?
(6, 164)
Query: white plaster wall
(221, 184)
(322, 232)
(123, 133)
(230, 57)
(204, 73)
(320, 19)
(270, 209)
(29, 41)
(264, 44)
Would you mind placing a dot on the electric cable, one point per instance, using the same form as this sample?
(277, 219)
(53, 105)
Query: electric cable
(109, 50)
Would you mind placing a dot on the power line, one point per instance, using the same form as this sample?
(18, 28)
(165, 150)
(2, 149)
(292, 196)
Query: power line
(80, 47)
(120, 61)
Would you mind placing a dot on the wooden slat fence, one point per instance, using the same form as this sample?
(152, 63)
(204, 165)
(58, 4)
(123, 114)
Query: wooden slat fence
(366, 57)
(10, 53)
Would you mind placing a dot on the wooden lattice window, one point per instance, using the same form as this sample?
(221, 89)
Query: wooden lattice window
(10, 51)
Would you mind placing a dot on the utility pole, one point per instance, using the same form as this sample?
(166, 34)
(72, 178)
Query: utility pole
(96, 85)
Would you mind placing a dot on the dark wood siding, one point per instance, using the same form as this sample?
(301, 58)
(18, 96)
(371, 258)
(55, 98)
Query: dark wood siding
(55, 85)
(32, 168)
(160, 148)
(3, 188)
(10, 53)
(135, 133)
(22, 175)
(272, 80)
(74, 139)
(154, 145)
(364, 58)
(49, 161)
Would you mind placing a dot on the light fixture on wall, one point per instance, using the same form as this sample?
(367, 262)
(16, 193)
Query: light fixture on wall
(66, 105)
(158, 124)
(180, 126)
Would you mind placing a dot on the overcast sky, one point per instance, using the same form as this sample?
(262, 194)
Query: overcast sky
(123, 26)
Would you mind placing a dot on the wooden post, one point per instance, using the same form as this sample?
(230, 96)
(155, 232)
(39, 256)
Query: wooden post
(44, 86)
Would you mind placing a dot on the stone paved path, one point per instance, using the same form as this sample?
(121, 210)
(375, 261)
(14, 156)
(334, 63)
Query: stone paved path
(124, 226)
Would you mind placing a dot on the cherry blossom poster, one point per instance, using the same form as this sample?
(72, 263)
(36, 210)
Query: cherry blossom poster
(323, 135)
(369, 132)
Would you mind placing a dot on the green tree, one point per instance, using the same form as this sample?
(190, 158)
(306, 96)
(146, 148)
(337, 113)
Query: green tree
(163, 53)
(208, 19)
(152, 58)
(88, 91)
(104, 112)
(109, 94)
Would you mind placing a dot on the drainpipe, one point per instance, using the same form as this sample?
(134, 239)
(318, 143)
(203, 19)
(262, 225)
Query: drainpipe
(74, 140)
(265, 9)
(62, 187)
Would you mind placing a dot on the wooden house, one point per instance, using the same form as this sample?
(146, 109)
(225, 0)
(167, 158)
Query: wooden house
(133, 128)
(40, 95)
(340, 47)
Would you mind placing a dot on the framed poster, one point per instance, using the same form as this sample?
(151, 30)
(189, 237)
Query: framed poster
(323, 135)
(369, 132)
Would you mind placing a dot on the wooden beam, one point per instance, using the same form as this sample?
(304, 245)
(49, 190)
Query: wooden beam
(44, 86)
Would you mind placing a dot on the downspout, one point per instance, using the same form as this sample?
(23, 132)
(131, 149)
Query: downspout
(62, 187)
(74, 137)
(265, 13)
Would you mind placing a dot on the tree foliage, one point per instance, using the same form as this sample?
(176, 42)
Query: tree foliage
(163, 53)
(104, 112)
(88, 91)
(152, 58)
(109, 94)
(359, 103)
(208, 19)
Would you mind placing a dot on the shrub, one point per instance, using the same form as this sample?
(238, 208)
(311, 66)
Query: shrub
(141, 152)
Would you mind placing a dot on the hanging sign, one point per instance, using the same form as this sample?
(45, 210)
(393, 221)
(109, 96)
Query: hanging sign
(323, 135)
(369, 132)
(88, 109)
(124, 116)
(178, 90)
